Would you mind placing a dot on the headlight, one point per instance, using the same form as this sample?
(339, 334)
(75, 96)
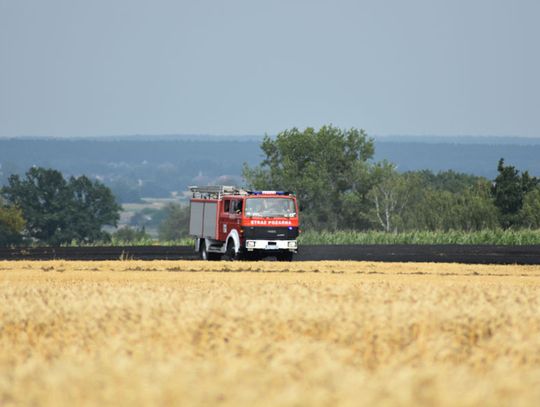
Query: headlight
(292, 245)
(250, 244)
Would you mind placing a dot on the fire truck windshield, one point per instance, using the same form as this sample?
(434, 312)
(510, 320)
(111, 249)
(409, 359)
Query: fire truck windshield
(270, 207)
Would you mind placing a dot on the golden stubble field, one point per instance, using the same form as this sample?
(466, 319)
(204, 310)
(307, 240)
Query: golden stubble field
(268, 333)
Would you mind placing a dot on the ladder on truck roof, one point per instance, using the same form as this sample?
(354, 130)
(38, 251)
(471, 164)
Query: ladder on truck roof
(216, 191)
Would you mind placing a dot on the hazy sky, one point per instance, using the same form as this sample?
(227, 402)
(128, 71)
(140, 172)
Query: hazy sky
(114, 67)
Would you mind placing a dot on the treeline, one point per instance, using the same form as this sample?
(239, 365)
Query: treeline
(340, 187)
(45, 208)
(332, 171)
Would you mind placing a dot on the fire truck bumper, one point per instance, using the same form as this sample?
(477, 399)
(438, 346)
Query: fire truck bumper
(289, 245)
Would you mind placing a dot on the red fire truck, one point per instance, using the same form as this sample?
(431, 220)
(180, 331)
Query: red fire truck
(234, 223)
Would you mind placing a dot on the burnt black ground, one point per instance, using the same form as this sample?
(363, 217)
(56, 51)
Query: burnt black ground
(467, 254)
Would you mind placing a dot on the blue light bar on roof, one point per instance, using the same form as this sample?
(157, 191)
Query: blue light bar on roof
(268, 193)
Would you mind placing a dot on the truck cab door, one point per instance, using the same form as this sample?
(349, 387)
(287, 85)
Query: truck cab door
(235, 213)
(224, 219)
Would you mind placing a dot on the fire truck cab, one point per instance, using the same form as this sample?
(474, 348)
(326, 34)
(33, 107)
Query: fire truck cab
(235, 223)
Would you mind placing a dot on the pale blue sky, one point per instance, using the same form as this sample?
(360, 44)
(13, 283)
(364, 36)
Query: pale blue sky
(105, 67)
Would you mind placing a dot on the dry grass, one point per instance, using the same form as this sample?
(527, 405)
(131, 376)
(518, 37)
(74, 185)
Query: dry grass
(154, 333)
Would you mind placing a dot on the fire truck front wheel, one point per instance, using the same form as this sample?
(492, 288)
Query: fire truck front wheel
(231, 254)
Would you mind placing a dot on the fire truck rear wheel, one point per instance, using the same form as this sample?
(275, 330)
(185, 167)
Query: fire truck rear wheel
(205, 255)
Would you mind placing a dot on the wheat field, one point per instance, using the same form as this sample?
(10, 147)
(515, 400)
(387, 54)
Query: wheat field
(268, 333)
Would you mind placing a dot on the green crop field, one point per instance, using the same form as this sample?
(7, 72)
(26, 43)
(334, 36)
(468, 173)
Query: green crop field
(312, 237)
(496, 237)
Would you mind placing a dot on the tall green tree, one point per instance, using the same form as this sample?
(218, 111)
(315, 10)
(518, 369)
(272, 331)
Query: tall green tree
(11, 225)
(92, 206)
(470, 209)
(59, 211)
(324, 167)
(508, 190)
(391, 195)
(42, 195)
(175, 226)
(530, 212)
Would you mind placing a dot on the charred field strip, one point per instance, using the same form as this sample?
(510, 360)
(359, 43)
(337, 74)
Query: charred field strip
(466, 254)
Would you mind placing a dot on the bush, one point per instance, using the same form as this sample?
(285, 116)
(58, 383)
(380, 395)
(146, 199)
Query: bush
(130, 235)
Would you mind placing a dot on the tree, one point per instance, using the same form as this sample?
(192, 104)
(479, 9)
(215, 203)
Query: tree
(473, 209)
(450, 180)
(42, 197)
(390, 195)
(59, 211)
(322, 167)
(92, 206)
(530, 212)
(175, 226)
(11, 225)
(509, 189)
(434, 209)
(130, 235)
(423, 200)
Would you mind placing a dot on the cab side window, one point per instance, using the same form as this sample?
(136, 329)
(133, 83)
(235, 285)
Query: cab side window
(236, 206)
(226, 205)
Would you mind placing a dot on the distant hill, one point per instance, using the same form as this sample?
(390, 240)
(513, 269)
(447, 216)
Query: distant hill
(477, 159)
(158, 166)
(483, 140)
(134, 168)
